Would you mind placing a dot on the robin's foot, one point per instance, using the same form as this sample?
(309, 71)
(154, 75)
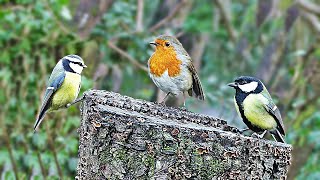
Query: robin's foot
(183, 108)
(162, 103)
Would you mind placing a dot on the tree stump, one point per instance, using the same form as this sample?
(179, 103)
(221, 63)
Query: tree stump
(126, 138)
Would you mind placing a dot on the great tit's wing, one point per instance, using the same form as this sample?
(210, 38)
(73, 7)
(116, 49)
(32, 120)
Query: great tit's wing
(273, 110)
(54, 85)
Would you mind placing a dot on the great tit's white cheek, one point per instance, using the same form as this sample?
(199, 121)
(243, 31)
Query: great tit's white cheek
(76, 68)
(248, 87)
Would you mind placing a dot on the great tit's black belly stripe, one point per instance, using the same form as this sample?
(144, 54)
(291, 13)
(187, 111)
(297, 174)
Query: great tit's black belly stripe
(239, 100)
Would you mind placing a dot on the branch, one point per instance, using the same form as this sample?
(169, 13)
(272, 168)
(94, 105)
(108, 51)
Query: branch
(312, 20)
(139, 18)
(169, 17)
(309, 6)
(226, 20)
(126, 55)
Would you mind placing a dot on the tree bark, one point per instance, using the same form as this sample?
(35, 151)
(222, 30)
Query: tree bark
(126, 138)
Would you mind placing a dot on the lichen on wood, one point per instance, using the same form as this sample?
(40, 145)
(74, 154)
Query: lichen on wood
(126, 138)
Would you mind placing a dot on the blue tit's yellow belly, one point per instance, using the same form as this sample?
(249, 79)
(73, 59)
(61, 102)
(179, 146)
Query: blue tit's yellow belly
(255, 112)
(68, 91)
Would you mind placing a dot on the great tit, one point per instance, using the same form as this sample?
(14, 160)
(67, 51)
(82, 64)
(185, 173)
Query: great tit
(256, 108)
(63, 85)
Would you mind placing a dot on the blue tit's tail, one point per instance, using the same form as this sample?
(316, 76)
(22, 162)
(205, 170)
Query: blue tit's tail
(39, 119)
(277, 136)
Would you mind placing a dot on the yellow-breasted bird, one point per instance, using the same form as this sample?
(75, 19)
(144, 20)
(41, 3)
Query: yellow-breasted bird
(256, 108)
(171, 69)
(63, 85)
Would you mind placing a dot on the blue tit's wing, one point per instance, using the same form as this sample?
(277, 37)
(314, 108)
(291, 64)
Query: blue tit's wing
(273, 111)
(54, 84)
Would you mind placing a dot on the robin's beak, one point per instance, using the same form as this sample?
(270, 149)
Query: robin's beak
(84, 66)
(233, 84)
(153, 43)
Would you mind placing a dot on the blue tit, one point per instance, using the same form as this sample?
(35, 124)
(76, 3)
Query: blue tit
(256, 108)
(63, 85)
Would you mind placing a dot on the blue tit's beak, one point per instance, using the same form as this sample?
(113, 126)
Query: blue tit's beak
(84, 66)
(153, 43)
(233, 84)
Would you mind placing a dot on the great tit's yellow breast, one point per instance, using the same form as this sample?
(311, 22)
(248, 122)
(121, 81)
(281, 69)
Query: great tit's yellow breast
(255, 112)
(68, 91)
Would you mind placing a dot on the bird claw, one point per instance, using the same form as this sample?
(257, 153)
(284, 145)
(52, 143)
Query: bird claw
(255, 135)
(243, 130)
(260, 136)
(162, 103)
(75, 101)
(183, 108)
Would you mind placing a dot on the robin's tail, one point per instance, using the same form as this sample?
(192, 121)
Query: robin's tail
(277, 136)
(196, 87)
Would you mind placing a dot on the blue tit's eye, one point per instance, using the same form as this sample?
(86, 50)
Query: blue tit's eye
(167, 44)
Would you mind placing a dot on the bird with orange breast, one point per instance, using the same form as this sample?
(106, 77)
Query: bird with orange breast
(171, 69)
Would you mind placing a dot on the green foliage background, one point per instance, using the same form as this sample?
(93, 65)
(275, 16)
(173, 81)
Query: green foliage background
(34, 35)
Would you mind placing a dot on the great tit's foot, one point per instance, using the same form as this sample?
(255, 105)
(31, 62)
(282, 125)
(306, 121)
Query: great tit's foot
(255, 135)
(260, 136)
(241, 131)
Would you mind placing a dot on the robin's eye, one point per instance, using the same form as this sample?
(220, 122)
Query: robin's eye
(167, 44)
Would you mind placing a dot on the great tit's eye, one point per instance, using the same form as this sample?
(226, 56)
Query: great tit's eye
(167, 44)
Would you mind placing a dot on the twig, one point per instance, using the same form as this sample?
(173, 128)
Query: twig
(309, 6)
(168, 18)
(54, 152)
(139, 18)
(312, 20)
(43, 171)
(126, 55)
(226, 20)
(7, 140)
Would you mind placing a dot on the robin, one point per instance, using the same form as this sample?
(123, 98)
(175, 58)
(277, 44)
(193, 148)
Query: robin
(171, 69)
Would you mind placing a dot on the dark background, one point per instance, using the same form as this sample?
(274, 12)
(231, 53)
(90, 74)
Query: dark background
(276, 41)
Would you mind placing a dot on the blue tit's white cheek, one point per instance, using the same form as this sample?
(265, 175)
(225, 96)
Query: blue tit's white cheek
(249, 87)
(76, 68)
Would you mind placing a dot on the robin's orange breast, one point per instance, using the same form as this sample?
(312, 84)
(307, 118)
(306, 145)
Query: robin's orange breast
(163, 60)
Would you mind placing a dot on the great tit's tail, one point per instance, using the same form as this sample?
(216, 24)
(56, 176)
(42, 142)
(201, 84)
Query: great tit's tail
(277, 136)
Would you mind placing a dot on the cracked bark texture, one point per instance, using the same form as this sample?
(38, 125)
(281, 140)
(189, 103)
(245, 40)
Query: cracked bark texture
(126, 138)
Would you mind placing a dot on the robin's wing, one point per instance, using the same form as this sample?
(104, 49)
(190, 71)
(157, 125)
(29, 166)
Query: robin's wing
(273, 110)
(196, 84)
(55, 83)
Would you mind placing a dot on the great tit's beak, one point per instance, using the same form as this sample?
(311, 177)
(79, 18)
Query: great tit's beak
(153, 43)
(84, 66)
(233, 84)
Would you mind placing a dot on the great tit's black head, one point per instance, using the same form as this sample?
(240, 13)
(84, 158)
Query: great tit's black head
(247, 84)
(73, 63)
